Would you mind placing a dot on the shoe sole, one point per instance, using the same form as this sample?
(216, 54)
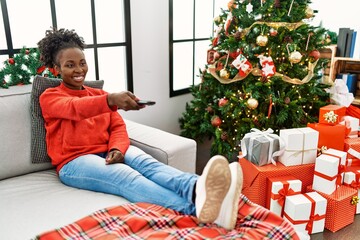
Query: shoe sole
(229, 210)
(217, 184)
(235, 203)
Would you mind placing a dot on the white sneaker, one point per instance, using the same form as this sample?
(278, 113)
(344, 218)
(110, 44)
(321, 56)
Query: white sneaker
(211, 188)
(230, 206)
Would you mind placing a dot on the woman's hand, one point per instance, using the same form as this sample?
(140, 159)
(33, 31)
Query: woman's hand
(124, 100)
(114, 156)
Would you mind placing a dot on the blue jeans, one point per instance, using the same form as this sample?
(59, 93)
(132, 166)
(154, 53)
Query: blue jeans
(140, 179)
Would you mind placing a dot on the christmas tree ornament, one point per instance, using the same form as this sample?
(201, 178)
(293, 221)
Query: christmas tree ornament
(287, 100)
(224, 73)
(238, 35)
(309, 13)
(224, 136)
(291, 5)
(216, 121)
(314, 55)
(249, 8)
(209, 109)
(242, 64)
(215, 40)
(273, 32)
(211, 56)
(228, 23)
(231, 5)
(252, 103)
(270, 106)
(268, 66)
(277, 4)
(222, 102)
(295, 57)
(27, 51)
(262, 40)
(11, 61)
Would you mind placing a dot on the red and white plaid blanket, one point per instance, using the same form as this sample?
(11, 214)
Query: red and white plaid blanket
(147, 221)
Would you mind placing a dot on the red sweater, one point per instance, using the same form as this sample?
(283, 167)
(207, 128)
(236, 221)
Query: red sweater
(80, 122)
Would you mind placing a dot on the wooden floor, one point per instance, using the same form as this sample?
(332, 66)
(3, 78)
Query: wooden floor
(350, 232)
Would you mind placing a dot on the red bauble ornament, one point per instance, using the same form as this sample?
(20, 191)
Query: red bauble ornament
(27, 51)
(223, 102)
(216, 121)
(314, 55)
(11, 61)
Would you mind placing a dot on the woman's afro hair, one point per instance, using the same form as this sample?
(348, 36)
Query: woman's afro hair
(55, 41)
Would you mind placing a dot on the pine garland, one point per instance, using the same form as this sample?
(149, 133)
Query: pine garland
(22, 67)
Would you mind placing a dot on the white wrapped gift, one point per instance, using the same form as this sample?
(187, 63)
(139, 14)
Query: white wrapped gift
(261, 147)
(300, 146)
(328, 173)
(352, 179)
(306, 212)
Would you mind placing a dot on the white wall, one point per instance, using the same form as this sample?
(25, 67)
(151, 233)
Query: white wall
(150, 52)
(334, 14)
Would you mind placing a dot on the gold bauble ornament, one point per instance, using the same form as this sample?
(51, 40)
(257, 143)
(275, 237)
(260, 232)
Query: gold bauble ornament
(252, 103)
(262, 40)
(309, 13)
(295, 57)
(224, 73)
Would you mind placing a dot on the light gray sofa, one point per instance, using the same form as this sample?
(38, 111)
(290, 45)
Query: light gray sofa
(32, 199)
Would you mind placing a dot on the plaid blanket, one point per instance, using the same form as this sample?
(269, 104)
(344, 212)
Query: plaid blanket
(139, 221)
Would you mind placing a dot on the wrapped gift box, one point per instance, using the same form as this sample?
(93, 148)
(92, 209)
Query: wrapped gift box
(352, 179)
(330, 136)
(327, 174)
(259, 147)
(255, 178)
(306, 212)
(300, 146)
(337, 153)
(353, 124)
(340, 210)
(331, 114)
(278, 189)
(352, 147)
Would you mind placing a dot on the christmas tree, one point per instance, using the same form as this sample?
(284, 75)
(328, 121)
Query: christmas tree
(22, 67)
(263, 71)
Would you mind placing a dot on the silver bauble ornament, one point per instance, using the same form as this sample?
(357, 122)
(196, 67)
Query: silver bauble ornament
(224, 73)
(252, 103)
(262, 40)
(295, 57)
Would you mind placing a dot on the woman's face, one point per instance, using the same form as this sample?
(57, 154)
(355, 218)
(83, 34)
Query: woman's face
(71, 64)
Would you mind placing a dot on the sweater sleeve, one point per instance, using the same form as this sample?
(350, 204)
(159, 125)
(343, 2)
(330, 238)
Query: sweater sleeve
(119, 138)
(55, 104)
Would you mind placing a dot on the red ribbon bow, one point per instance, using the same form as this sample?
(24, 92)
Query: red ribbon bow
(282, 193)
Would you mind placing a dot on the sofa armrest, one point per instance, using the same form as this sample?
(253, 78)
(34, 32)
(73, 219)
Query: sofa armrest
(171, 149)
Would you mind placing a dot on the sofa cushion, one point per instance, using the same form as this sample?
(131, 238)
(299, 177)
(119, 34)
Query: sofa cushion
(15, 131)
(38, 132)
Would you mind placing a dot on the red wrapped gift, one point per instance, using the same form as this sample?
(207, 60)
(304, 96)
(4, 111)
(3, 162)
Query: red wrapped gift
(352, 147)
(340, 208)
(331, 114)
(330, 136)
(278, 188)
(255, 178)
(352, 179)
